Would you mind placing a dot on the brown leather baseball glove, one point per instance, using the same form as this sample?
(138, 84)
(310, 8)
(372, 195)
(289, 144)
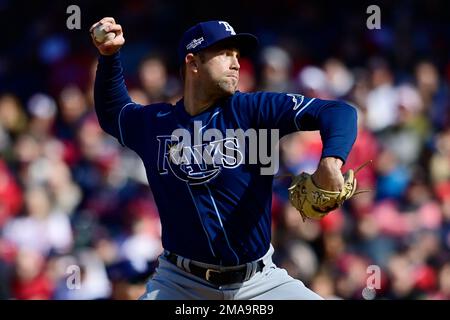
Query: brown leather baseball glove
(314, 202)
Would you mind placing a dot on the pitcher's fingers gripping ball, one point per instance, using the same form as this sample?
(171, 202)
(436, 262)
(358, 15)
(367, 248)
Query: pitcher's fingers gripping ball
(107, 36)
(101, 35)
(314, 202)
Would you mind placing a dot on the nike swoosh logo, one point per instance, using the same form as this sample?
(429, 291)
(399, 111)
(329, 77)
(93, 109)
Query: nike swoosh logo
(162, 114)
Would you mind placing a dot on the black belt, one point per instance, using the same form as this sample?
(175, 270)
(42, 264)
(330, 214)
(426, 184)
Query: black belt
(214, 276)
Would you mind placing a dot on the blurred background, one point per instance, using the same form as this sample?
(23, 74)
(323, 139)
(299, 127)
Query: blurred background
(72, 196)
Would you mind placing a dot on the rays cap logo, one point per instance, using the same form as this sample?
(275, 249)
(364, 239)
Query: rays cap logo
(205, 34)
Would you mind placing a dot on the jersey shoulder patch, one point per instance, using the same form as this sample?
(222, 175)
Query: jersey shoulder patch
(297, 100)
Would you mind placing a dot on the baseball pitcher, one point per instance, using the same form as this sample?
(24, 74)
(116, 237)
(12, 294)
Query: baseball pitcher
(213, 198)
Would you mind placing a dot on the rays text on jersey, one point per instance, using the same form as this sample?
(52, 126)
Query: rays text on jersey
(199, 159)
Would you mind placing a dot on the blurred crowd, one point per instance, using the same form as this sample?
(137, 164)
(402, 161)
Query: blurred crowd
(77, 217)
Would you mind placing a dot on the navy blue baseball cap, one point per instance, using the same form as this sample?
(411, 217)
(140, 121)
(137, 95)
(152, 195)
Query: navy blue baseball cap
(206, 34)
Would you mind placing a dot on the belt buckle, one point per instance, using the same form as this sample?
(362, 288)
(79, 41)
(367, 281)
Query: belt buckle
(208, 273)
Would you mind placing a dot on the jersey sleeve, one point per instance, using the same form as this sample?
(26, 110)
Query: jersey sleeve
(288, 112)
(117, 114)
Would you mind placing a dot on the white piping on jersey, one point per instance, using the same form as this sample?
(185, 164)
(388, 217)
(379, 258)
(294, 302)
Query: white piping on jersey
(201, 221)
(221, 225)
(298, 112)
(215, 114)
(120, 127)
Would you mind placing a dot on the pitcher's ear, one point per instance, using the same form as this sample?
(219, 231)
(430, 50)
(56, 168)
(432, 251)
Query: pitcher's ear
(191, 62)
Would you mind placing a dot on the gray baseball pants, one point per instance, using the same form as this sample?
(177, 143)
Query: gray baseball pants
(171, 282)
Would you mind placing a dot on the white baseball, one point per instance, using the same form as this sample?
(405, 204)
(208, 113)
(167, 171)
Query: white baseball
(100, 35)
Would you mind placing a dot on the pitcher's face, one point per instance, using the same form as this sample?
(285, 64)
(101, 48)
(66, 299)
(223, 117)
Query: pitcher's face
(219, 70)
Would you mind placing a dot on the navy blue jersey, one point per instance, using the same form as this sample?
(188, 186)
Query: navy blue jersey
(216, 213)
